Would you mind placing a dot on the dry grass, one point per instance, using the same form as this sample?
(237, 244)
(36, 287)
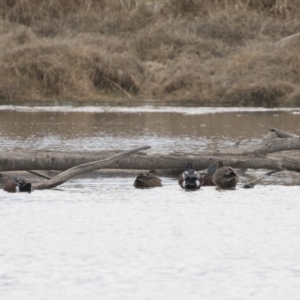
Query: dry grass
(177, 51)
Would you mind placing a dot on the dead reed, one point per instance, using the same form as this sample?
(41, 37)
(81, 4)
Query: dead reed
(204, 52)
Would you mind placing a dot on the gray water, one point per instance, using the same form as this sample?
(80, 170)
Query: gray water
(102, 239)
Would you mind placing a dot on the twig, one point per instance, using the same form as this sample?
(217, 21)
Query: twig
(252, 183)
(119, 87)
(39, 174)
(283, 41)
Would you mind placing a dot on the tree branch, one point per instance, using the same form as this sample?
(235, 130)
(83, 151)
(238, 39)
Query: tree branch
(84, 168)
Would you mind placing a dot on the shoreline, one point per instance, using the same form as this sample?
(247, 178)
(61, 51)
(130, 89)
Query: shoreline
(186, 110)
(121, 102)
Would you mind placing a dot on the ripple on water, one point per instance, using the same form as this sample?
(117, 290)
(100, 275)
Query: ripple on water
(102, 236)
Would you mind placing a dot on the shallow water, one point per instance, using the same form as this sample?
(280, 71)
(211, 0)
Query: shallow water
(101, 238)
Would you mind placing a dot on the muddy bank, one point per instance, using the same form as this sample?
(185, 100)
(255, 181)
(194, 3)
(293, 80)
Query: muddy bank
(180, 52)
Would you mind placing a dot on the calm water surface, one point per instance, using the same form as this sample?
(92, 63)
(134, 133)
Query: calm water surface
(102, 239)
(165, 129)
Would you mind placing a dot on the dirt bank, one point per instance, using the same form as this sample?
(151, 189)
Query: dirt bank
(203, 52)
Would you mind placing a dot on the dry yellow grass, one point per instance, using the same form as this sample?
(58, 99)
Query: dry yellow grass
(206, 52)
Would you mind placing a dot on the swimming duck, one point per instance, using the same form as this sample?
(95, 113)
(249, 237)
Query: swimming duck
(147, 180)
(225, 177)
(206, 178)
(17, 185)
(189, 179)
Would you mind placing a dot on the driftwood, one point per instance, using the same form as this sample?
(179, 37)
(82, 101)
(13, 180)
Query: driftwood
(252, 183)
(84, 168)
(39, 174)
(267, 155)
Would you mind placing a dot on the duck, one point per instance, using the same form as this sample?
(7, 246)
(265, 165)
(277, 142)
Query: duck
(189, 179)
(225, 177)
(147, 180)
(206, 178)
(17, 185)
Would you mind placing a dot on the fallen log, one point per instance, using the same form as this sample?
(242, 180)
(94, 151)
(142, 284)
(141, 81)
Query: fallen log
(83, 168)
(20, 160)
(264, 156)
(176, 161)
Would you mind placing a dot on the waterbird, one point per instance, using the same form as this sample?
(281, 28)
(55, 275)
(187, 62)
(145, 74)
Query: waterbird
(189, 179)
(147, 180)
(17, 185)
(225, 177)
(206, 178)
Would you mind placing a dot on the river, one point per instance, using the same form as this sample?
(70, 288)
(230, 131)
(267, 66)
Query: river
(99, 238)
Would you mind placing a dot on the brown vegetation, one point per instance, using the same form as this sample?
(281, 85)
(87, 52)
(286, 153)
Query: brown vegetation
(206, 52)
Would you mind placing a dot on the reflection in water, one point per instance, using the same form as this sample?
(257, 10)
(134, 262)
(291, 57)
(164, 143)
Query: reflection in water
(166, 131)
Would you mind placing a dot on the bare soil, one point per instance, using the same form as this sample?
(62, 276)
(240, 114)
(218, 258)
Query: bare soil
(180, 52)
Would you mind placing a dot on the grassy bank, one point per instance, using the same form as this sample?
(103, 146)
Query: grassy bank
(205, 52)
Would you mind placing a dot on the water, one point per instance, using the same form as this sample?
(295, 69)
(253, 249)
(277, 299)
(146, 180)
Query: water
(99, 237)
(165, 129)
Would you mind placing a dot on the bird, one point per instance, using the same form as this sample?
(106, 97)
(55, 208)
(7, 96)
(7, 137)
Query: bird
(225, 177)
(189, 179)
(17, 185)
(147, 180)
(206, 178)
